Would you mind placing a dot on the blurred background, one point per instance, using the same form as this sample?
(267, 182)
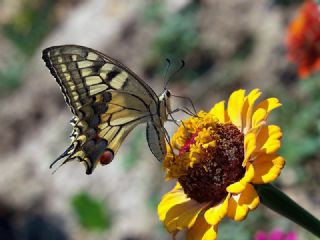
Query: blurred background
(226, 45)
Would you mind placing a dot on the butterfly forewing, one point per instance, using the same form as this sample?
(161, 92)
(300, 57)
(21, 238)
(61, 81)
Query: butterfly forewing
(83, 73)
(108, 101)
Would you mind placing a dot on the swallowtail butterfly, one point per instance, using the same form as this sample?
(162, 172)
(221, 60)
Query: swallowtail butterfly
(108, 100)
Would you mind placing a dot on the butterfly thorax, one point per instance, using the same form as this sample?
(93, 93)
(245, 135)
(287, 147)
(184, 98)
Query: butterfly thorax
(164, 104)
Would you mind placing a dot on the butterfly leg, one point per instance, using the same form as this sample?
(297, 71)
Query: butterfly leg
(190, 101)
(186, 110)
(172, 119)
(168, 140)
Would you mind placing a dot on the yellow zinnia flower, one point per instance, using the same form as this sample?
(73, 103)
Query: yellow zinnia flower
(216, 159)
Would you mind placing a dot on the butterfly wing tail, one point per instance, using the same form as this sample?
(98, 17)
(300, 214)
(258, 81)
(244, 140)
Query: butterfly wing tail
(65, 155)
(87, 153)
(86, 147)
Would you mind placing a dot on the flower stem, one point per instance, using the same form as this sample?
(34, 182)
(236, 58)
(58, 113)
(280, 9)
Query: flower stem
(279, 202)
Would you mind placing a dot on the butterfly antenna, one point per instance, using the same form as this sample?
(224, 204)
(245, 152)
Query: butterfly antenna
(166, 73)
(174, 73)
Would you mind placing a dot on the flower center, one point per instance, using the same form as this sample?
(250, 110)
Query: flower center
(218, 165)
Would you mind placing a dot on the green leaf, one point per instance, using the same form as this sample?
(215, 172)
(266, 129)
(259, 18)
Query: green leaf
(10, 78)
(92, 213)
(30, 25)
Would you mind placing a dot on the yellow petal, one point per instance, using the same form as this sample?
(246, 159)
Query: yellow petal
(258, 116)
(235, 211)
(263, 109)
(269, 104)
(239, 205)
(218, 111)
(214, 214)
(267, 168)
(268, 139)
(249, 197)
(175, 196)
(201, 230)
(235, 105)
(183, 215)
(248, 108)
(249, 146)
(241, 185)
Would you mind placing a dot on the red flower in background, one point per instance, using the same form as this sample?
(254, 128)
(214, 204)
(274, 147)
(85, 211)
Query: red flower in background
(303, 39)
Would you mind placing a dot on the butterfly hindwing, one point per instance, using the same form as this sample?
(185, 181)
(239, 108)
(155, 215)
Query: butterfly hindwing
(156, 139)
(107, 99)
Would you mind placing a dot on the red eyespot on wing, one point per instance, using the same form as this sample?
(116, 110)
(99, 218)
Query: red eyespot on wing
(106, 157)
